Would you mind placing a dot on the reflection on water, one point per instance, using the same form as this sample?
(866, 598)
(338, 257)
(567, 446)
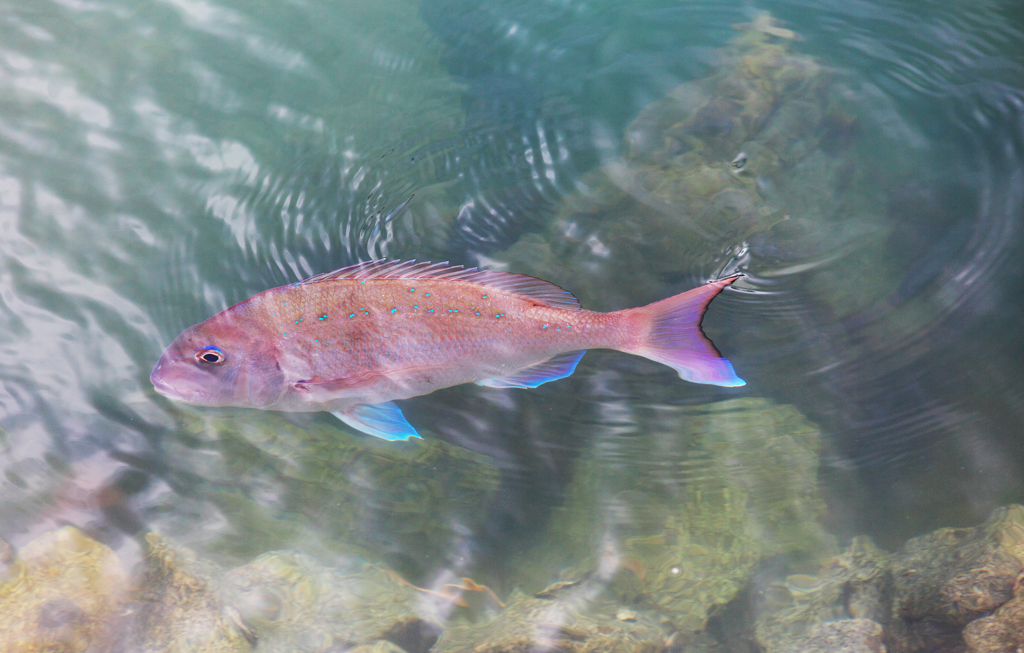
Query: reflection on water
(861, 164)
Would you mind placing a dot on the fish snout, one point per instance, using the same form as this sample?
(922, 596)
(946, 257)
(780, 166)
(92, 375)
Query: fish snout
(161, 378)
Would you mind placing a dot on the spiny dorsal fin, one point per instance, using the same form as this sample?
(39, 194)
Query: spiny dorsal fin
(519, 284)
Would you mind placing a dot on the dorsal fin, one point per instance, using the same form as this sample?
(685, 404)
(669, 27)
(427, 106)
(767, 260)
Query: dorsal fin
(519, 284)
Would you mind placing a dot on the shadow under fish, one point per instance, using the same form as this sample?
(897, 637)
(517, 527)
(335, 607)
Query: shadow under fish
(352, 341)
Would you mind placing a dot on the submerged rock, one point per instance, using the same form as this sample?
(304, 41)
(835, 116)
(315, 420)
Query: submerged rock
(566, 621)
(62, 592)
(843, 636)
(66, 592)
(1003, 632)
(952, 576)
(177, 607)
(922, 597)
(712, 152)
(764, 139)
(292, 603)
(856, 583)
(407, 503)
(729, 484)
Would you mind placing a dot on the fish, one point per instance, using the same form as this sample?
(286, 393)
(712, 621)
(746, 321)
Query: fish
(353, 341)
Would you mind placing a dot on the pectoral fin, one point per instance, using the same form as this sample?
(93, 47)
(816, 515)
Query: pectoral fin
(384, 421)
(554, 368)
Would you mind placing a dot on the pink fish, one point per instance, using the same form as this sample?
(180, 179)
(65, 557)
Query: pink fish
(352, 341)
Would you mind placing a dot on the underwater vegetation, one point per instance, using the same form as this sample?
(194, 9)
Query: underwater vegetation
(67, 592)
(934, 594)
(950, 590)
(761, 152)
(684, 544)
(411, 504)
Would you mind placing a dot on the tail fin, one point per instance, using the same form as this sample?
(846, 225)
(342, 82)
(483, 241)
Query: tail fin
(674, 336)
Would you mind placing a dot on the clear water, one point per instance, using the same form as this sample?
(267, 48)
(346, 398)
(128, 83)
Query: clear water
(162, 161)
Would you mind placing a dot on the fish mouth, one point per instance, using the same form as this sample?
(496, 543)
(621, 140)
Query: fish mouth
(166, 389)
(169, 391)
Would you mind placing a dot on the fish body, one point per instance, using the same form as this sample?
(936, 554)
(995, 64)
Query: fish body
(352, 341)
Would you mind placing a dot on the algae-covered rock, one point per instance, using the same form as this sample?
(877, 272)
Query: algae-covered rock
(62, 592)
(770, 164)
(710, 153)
(292, 603)
(755, 495)
(66, 592)
(1003, 632)
(923, 595)
(177, 607)
(725, 486)
(409, 502)
(843, 636)
(563, 621)
(763, 139)
(952, 576)
(856, 583)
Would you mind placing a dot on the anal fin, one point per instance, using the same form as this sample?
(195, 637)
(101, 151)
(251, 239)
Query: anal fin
(554, 368)
(384, 421)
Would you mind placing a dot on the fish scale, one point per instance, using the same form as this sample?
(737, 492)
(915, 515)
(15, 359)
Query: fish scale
(388, 313)
(354, 340)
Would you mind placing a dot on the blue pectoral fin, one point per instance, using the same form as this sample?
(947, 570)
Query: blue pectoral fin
(384, 421)
(554, 368)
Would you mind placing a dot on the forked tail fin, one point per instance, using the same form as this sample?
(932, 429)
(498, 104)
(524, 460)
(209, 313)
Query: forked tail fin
(674, 337)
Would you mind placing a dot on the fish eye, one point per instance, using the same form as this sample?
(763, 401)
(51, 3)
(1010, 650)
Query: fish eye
(210, 356)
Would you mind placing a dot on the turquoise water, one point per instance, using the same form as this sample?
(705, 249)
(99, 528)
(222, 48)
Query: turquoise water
(160, 162)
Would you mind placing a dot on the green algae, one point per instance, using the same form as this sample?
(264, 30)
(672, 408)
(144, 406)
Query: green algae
(292, 602)
(726, 486)
(924, 596)
(177, 607)
(759, 165)
(857, 583)
(66, 592)
(557, 623)
(404, 502)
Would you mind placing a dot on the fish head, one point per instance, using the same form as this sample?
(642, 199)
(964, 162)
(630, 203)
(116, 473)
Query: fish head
(219, 362)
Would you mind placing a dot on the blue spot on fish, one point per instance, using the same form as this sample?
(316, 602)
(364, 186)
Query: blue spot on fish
(352, 315)
(394, 310)
(478, 312)
(544, 327)
(415, 306)
(430, 310)
(485, 296)
(412, 290)
(426, 294)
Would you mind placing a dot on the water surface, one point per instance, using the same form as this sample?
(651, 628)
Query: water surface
(162, 161)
